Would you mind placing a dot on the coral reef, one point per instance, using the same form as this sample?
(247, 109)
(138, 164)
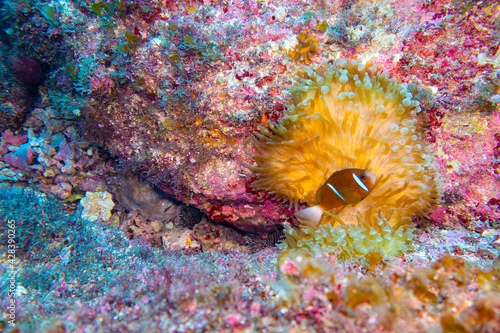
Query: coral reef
(173, 112)
(172, 92)
(434, 297)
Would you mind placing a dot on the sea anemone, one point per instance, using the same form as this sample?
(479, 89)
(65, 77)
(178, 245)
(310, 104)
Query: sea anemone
(345, 116)
(305, 48)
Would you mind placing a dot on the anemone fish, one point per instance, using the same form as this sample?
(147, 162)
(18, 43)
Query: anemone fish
(343, 187)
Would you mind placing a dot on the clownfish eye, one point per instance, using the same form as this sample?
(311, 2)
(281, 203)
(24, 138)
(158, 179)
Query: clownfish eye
(362, 176)
(359, 182)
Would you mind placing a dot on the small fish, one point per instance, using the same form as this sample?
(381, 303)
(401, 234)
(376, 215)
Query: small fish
(343, 187)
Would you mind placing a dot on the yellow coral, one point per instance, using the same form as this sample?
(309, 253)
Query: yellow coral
(305, 48)
(346, 116)
(397, 298)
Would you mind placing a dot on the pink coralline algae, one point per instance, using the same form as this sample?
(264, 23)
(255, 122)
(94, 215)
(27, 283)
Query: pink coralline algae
(141, 114)
(10, 139)
(65, 152)
(466, 158)
(182, 119)
(180, 106)
(20, 158)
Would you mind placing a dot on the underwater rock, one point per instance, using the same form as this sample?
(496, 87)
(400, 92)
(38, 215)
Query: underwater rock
(65, 152)
(216, 237)
(62, 190)
(180, 240)
(20, 158)
(133, 195)
(93, 184)
(183, 120)
(9, 138)
(8, 174)
(27, 70)
(138, 227)
(97, 206)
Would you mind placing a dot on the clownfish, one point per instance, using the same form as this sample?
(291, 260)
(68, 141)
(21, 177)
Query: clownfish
(343, 187)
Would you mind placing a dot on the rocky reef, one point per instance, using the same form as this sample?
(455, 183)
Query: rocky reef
(134, 122)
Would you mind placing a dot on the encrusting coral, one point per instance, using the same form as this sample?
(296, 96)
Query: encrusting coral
(446, 295)
(344, 116)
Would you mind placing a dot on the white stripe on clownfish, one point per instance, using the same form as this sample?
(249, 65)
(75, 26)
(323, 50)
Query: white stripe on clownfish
(360, 183)
(336, 192)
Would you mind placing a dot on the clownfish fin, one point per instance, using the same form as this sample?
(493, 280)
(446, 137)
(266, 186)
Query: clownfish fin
(311, 215)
